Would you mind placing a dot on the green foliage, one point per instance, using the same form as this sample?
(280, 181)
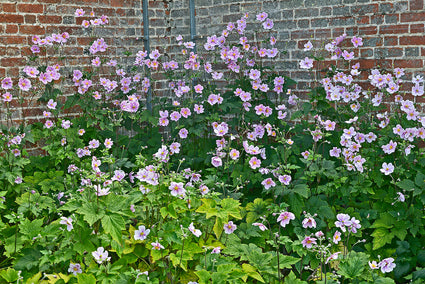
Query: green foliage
(128, 194)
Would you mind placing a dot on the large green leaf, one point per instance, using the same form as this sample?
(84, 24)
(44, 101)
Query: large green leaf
(354, 265)
(10, 275)
(204, 276)
(113, 224)
(381, 237)
(29, 259)
(91, 212)
(31, 228)
(86, 279)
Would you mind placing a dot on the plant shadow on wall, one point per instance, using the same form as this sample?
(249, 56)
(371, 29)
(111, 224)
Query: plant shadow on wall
(230, 179)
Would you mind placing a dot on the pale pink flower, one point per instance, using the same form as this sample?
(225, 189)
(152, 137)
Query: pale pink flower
(141, 233)
(309, 222)
(308, 242)
(100, 255)
(387, 265)
(261, 226)
(157, 246)
(68, 222)
(285, 217)
(229, 227)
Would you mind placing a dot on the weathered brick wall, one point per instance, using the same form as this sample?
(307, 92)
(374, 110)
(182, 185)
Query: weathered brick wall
(393, 30)
(21, 19)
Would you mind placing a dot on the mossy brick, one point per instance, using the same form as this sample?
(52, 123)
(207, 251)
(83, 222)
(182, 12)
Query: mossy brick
(386, 8)
(411, 51)
(377, 19)
(326, 11)
(341, 11)
(303, 24)
(318, 3)
(271, 5)
(306, 13)
(391, 19)
(287, 14)
(285, 25)
(234, 8)
(180, 13)
(364, 9)
(372, 41)
(219, 10)
(290, 4)
(388, 52)
(68, 20)
(345, 21)
(401, 6)
(319, 23)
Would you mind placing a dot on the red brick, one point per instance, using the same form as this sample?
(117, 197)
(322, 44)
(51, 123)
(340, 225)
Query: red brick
(337, 32)
(423, 51)
(49, 1)
(302, 34)
(412, 40)
(13, 72)
(11, 29)
(50, 19)
(9, 8)
(366, 52)
(10, 61)
(363, 20)
(118, 3)
(2, 72)
(413, 63)
(412, 17)
(394, 29)
(370, 30)
(30, 19)
(10, 18)
(12, 40)
(390, 41)
(373, 63)
(416, 4)
(84, 41)
(121, 12)
(32, 30)
(417, 28)
(31, 8)
(323, 33)
(365, 9)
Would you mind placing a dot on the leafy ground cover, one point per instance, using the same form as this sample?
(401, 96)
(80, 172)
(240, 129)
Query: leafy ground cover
(229, 179)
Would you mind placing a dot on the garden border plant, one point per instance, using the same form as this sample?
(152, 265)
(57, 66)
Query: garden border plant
(232, 179)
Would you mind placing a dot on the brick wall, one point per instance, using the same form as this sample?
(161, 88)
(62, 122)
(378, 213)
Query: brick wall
(393, 30)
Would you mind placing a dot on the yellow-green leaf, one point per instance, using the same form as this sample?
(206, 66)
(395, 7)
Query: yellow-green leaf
(218, 227)
(252, 272)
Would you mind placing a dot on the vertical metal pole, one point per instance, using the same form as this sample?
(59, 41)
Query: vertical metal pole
(146, 40)
(192, 23)
(193, 37)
